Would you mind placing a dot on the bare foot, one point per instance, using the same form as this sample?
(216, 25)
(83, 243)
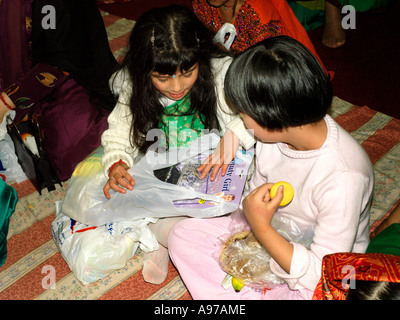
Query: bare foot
(334, 36)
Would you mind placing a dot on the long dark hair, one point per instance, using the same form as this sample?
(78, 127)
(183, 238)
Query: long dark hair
(163, 40)
(279, 84)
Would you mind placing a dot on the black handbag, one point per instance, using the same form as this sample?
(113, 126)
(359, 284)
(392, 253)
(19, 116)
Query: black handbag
(28, 144)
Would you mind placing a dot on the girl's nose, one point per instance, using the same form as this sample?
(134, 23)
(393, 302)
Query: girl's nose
(177, 84)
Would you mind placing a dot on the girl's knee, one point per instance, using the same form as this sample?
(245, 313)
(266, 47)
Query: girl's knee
(177, 233)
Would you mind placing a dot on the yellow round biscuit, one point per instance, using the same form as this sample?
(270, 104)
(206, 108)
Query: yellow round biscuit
(288, 192)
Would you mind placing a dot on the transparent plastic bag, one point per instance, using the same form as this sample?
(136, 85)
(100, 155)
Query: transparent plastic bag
(247, 260)
(243, 257)
(94, 252)
(153, 196)
(10, 169)
(183, 174)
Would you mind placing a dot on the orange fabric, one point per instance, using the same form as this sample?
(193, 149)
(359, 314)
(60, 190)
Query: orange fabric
(339, 268)
(280, 10)
(257, 20)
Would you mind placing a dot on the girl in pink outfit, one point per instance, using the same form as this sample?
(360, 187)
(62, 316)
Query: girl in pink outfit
(282, 94)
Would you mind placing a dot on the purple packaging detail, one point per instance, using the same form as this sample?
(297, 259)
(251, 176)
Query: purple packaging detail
(228, 187)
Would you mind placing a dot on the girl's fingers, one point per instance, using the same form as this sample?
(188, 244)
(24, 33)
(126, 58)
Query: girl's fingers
(123, 184)
(130, 180)
(262, 190)
(119, 184)
(211, 163)
(106, 189)
(278, 197)
(224, 168)
(262, 193)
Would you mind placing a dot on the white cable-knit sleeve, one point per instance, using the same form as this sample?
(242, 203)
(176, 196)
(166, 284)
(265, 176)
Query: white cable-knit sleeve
(227, 119)
(343, 216)
(116, 139)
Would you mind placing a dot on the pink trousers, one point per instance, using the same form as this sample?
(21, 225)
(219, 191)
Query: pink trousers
(193, 246)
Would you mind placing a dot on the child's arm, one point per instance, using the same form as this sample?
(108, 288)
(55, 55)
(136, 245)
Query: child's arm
(118, 154)
(221, 157)
(235, 130)
(259, 209)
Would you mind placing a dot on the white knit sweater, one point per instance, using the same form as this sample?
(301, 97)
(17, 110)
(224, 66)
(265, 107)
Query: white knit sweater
(334, 187)
(115, 139)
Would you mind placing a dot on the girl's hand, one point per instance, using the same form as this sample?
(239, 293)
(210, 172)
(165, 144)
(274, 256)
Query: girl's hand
(259, 208)
(221, 157)
(119, 180)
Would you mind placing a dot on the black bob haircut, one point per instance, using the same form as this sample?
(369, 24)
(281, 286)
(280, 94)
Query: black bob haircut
(278, 83)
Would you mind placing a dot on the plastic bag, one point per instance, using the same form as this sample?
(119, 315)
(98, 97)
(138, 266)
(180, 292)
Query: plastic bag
(246, 259)
(3, 123)
(93, 252)
(243, 257)
(151, 197)
(10, 169)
